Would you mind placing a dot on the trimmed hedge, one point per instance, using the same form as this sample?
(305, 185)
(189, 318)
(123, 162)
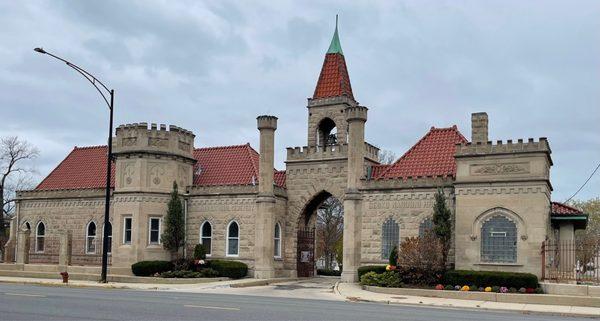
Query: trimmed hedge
(231, 269)
(370, 268)
(491, 278)
(149, 268)
(328, 272)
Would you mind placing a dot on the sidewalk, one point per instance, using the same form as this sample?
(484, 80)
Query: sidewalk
(354, 292)
(192, 287)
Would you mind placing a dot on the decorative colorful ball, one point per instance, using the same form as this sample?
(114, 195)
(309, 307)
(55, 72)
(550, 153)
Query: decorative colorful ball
(503, 289)
(439, 287)
(465, 288)
(488, 289)
(530, 290)
(457, 287)
(522, 290)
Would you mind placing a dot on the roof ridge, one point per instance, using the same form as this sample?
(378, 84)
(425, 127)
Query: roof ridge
(90, 147)
(249, 149)
(567, 206)
(57, 166)
(221, 147)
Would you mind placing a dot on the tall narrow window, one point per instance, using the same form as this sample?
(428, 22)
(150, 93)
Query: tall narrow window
(154, 230)
(499, 240)
(233, 239)
(390, 237)
(206, 237)
(109, 237)
(90, 238)
(426, 227)
(127, 224)
(277, 241)
(40, 235)
(27, 226)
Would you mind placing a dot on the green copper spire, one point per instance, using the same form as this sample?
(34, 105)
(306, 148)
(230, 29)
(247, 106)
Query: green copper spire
(335, 46)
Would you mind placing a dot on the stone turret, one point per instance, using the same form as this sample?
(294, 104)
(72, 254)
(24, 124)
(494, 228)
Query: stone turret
(151, 158)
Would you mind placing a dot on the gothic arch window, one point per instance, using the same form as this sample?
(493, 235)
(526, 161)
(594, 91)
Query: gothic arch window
(233, 239)
(499, 240)
(90, 238)
(206, 237)
(327, 133)
(390, 237)
(27, 226)
(277, 241)
(425, 227)
(109, 237)
(40, 236)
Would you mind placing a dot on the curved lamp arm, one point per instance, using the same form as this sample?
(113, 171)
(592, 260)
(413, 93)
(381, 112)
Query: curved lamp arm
(91, 78)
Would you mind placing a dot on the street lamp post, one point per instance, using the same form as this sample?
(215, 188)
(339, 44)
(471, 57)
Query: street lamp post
(103, 90)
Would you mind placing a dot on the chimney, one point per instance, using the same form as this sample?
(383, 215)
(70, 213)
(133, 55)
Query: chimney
(267, 126)
(479, 128)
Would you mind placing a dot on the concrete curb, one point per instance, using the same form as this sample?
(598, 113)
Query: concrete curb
(543, 299)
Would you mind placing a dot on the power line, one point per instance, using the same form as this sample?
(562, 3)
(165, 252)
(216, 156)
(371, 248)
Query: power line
(586, 181)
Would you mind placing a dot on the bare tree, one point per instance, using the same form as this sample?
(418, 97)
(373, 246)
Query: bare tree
(330, 228)
(386, 156)
(15, 174)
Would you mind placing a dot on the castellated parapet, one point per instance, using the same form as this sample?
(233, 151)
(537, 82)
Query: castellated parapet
(354, 113)
(154, 139)
(308, 153)
(500, 148)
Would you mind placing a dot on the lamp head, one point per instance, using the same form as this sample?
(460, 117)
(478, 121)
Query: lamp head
(40, 50)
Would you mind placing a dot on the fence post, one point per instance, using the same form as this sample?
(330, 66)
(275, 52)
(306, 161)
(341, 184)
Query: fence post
(23, 246)
(543, 260)
(64, 252)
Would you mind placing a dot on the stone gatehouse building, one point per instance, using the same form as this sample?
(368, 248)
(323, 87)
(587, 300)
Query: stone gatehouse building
(242, 208)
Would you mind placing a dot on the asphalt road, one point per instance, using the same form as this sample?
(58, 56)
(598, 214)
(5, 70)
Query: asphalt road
(28, 302)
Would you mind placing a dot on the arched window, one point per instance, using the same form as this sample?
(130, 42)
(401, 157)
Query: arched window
(27, 226)
(326, 133)
(277, 241)
(233, 239)
(206, 237)
(426, 227)
(390, 237)
(109, 237)
(40, 234)
(90, 238)
(499, 240)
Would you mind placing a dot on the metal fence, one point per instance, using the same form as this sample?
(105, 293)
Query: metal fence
(568, 261)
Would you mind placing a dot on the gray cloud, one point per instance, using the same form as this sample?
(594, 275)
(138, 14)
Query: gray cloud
(212, 66)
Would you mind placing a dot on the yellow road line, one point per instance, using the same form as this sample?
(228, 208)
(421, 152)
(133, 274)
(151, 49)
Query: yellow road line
(209, 307)
(25, 294)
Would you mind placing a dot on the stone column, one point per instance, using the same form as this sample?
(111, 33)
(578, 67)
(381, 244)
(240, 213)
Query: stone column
(568, 260)
(64, 252)
(356, 118)
(265, 221)
(23, 246)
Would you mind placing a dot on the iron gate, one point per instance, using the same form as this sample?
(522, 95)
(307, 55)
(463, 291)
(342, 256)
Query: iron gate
(306, 252)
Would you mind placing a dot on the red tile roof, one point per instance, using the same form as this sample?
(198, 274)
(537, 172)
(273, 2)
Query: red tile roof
(563, 209)
(333, 80)
(85, 167)
(432, 155)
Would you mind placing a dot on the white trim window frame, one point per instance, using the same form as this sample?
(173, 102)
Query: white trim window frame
(230, 239)
(90, 240)
(154, 231)
(127, 230)
(277, 241)
(40, 237)
(206, 238)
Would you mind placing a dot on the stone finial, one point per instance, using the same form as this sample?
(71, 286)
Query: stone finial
(266, 122)
(479, 128)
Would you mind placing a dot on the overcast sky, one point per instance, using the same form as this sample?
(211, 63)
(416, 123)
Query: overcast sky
(213, 66)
